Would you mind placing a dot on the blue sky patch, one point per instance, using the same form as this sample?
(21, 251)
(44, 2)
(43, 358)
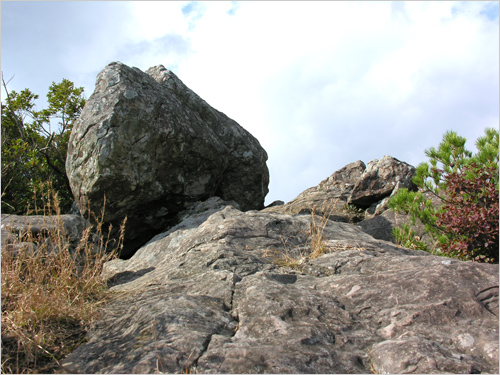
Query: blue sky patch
(188, 8)
(491, 10)
(193, 11)
(234, 7)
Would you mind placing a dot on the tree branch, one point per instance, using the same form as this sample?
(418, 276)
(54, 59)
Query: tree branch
(18, 122)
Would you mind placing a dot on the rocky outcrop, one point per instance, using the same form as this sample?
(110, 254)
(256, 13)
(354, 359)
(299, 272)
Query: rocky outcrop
(219, 293)
(380, 179)
(146, 145)
(335, 189)
(23, 231)
(354, 192)
(359, 193)
(219, 287)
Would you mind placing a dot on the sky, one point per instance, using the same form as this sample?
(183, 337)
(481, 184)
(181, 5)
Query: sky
(319, 84)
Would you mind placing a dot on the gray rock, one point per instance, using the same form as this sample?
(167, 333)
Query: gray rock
(420, 356)
(378, 208)
(245, 179)
(275, 203)
(17, 228)
(74, 210)
(353, 189)
(380, 179)
(195, 214)
(208, 297)
(335, 191)
(146, 145)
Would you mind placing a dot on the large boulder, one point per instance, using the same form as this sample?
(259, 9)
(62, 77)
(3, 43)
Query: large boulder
(146, 145)
(210, 296)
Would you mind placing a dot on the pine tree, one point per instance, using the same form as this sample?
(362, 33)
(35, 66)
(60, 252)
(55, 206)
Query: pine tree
(452, 166)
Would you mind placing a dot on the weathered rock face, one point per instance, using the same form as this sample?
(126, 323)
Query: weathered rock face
(337, 188)
(150, 145)
(207, 297)
(379, 180)
(17, 228)
(367, 187)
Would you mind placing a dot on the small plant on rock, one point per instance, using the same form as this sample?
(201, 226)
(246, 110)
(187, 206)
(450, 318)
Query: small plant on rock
(405, 236)
(355, 214)
(317, 229)
(313, 247)
(291, 258)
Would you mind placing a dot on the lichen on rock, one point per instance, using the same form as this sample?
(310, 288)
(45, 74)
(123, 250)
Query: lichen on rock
(149, 145)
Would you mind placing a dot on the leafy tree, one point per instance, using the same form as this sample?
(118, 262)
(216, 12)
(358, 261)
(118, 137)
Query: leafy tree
(32, 153)
(453, 168)
(470, 214)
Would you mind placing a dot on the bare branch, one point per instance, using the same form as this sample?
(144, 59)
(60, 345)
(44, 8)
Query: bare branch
(9, 79)
(18, 122)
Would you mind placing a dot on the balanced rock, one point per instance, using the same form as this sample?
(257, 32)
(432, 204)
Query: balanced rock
(239, 292)
(146, 145)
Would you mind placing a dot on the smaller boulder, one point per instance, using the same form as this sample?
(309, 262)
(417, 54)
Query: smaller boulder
(380, 179)
(335, 189)
(19, 231)
(275, 203)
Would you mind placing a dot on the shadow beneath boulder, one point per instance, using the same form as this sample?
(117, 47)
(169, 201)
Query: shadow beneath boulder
(378, 227)
(127, 276)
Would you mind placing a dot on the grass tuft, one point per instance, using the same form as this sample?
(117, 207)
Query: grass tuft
(51, 291)
(316, 244)
(291, 258)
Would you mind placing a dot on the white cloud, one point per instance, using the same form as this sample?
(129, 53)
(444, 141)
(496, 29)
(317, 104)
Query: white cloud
(154, 19)
(320, 84)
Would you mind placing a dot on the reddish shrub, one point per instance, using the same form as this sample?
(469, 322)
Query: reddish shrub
(470, 214)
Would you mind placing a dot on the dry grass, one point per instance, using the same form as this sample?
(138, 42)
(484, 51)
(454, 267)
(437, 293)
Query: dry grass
(316, 246)
(50, 292)
(291, 258)
(316, 230)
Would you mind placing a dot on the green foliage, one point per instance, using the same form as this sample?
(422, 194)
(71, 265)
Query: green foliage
(354, 213)
(406, 237)
(450, 166)
(487, 146)
(470, 214)
(32, 153)
(451, 156)
(416, 205)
